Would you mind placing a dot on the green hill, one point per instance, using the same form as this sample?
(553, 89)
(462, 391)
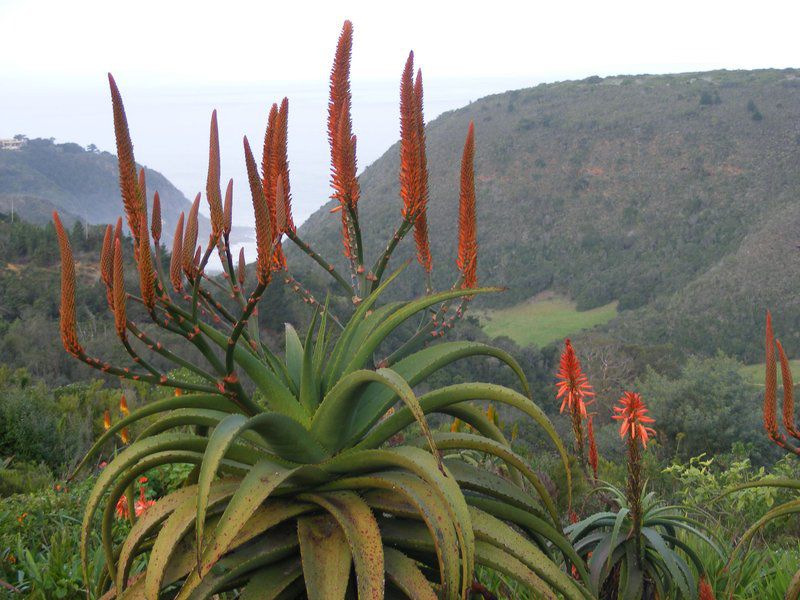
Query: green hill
(41, 176)
(674, 195)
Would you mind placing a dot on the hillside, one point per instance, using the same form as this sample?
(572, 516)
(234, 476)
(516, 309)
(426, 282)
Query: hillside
(674, 195)
(42, 176)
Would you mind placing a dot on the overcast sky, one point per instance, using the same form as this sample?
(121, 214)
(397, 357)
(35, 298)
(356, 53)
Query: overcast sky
(238, 41)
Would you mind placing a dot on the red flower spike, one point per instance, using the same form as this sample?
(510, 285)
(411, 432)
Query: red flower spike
(280, 171)
(213, 193)
(340, 83)
(120, 320)
(770, 384)
(176, 259)
(241, 271)
(467, 241)
(69, 335)
(704, 590)
(788, 393)
(190, 238)
(107, 264)
(155, 225)
(409, 143)
(573, 385)
(633, 414)
(227, 211)
(133, 198)
(268, 162)
(263, 228)
(421, 222)
(147, 277)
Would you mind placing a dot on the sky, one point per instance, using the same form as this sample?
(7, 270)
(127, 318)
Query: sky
(176, 60)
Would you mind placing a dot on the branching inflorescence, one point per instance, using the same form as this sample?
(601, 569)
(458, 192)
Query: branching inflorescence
(178, 299)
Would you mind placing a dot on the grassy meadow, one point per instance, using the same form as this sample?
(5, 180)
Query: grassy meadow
(543, 319)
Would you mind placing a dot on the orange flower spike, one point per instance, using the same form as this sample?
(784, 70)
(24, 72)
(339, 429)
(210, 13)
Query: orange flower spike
(147, 276)
(190, 238)
(281, 169)
(155, 225)
(263, 228)
(120, 319)
(125, 436)
(241, 272)
(268, 161)
(132, 197)
(123, 406)
(118, 230)
(213, 193)
(107, 264)
(770, 383)
(227, 211)
(176, 258)
(704, 590)
(340, 84)
(409, 145)
(421, 222)
(106, 420)
(467, 242)
(593, 456)
(572, 385)
(69, 335)
(788, 392)
(633, 414)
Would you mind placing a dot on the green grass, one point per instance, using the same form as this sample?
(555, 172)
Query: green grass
(544, 319)
(755, 373)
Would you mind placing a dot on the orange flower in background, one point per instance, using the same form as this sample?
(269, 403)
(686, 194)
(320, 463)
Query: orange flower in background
(467, 260)
(704, 590)
(123, 406)
(106, 420)
(633, 414)
(125, 436)
(573, 385)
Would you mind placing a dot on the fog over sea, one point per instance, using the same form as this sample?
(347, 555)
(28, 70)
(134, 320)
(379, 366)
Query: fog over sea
(169, 125)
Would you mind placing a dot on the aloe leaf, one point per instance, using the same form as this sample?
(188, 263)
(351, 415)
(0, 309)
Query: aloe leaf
(269, 582)
(418, 501)
(201, 401)
(363, 536)
(146, 525)
(374, 401)
(294, 354)
(179, 523)
(325, 557)
(368, 347)
(495, 532)
(333, 368)
(657, 542)
(274, 547)
(404, 573)
(309, 388)
(256, 487)
(326, 425)
(424, 465)
(459, 441)
(279, 397)
(618, 521)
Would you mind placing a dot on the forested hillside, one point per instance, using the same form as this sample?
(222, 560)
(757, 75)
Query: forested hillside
(42, 176)
(676, 195)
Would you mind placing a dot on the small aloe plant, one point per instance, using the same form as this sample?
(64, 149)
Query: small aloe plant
(300, 489)
(636, 551)
(791, 507)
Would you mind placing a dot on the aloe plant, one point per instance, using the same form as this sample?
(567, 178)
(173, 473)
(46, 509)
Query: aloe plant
(636, 551)
(300, 488)
(791, 507)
